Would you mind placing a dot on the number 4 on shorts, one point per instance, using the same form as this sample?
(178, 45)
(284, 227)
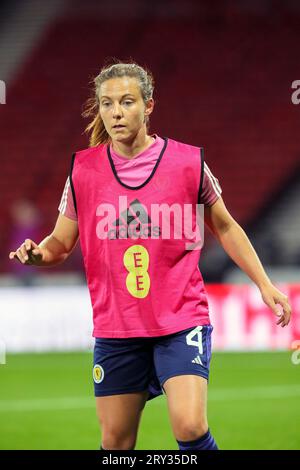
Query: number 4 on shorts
(190, 341)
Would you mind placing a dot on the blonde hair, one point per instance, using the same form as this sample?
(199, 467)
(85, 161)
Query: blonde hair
(95, 129)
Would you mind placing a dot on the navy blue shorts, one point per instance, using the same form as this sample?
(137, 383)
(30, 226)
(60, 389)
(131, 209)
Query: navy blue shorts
(130, 365)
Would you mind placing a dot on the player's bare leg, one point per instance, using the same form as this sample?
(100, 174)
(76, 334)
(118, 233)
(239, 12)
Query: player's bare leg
(187, 404)
(119, 417)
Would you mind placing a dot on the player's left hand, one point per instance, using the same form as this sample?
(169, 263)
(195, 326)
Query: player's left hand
(272, 297)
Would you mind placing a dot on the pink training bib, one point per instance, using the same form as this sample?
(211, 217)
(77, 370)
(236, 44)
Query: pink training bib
(143, 281)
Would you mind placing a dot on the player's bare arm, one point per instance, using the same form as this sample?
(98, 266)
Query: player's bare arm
(54, 249)
(238, 246)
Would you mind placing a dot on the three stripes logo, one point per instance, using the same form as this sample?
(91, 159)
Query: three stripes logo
(197, 360)
(134, 222)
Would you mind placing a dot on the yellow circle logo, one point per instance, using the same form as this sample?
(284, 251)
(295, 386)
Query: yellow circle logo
(98, 374)
(136, 261)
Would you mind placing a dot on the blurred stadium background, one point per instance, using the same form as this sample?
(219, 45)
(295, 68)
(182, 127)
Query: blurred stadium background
(224, 74)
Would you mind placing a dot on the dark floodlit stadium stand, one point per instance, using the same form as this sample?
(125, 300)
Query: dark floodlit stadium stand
(215, 87)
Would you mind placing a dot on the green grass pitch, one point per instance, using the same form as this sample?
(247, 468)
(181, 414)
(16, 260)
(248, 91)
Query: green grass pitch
(46, 402)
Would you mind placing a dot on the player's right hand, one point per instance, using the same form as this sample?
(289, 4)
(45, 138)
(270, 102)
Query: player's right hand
(28, 253)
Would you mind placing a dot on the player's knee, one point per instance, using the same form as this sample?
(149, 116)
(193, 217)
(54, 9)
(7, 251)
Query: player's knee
(114, 440)
(190, 430)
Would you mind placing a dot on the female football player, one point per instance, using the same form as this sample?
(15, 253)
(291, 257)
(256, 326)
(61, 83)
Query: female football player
(125, 199)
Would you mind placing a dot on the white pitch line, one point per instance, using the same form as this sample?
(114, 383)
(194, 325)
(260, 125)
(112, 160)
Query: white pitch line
(250, 393)
(65, 403)
(71, 403)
